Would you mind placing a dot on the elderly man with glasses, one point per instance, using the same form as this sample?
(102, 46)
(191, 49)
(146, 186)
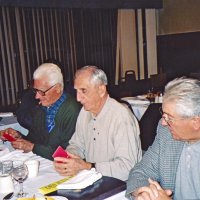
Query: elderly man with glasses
(170, 167)
(54, 118)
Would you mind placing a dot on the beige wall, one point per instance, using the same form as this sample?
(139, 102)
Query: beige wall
(178, 16)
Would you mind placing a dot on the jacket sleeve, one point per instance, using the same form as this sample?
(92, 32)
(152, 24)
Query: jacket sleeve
(146, 168)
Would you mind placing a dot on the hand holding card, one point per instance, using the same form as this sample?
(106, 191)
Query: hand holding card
(9, 137)
(60, 152)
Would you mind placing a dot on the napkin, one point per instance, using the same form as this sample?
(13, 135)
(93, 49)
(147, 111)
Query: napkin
(82, 180)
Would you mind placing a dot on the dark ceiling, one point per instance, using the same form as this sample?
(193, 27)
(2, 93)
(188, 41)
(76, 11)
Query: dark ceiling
(128, 4)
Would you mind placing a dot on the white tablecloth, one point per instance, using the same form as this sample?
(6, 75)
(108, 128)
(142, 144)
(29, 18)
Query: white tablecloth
(46, 175)
(139, 105)
(11, 122)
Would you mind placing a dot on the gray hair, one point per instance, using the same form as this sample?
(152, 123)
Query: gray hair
(185, 92)
(50, 71)
(97, 77)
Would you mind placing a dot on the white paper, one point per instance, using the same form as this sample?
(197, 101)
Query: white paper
(82, 180)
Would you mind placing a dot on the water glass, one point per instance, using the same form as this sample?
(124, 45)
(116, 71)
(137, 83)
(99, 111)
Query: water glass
(20, 173)
(6, 167)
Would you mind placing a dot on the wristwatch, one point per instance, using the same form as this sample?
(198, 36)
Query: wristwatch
(93, 165)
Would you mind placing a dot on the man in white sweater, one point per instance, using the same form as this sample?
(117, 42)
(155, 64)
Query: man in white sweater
(107, 133)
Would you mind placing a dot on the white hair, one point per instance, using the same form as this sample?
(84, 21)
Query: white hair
(51, 71)
(185, 92)
(97, 77)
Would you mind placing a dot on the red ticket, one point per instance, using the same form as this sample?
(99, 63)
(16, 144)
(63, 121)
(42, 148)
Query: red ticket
(8, 137)
(60, 152)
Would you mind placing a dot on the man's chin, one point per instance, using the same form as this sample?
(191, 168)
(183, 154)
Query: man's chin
(86, 108)
(43, 103)
(176, 137)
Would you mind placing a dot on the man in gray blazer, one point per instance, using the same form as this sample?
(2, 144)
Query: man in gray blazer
(169, 168)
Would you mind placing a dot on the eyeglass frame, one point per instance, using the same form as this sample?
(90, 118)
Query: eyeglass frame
(169, 121)
(42, 93)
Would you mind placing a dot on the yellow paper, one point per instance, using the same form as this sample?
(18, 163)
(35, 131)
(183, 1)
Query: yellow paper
(37, 198)
(53, 186)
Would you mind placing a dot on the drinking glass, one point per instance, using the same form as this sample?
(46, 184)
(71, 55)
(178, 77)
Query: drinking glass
(6, 167)
(20, 173)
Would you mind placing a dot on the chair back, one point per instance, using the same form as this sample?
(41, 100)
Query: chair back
(130, 76)
(148, 125)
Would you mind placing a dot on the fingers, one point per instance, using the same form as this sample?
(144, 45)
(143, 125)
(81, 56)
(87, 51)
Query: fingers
(144, 196)
(68, 166)
(152, 192)
(22, 144)
(148, 192)
(11, 132)
(72, 155)
(168, 192)
(155, 183)
(63, 166)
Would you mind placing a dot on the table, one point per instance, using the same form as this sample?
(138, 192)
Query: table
(139, 105)
(11, 122)
(47, 175)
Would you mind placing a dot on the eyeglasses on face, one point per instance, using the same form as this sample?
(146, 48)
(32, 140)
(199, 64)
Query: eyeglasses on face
(169, 120)
(42, 93)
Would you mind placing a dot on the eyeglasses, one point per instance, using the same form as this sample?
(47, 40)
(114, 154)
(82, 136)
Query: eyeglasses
(169, 120)
(42, 93)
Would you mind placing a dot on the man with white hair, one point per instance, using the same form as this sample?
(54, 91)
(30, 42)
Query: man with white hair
(107, 133)
(170, 167)
(54, 119)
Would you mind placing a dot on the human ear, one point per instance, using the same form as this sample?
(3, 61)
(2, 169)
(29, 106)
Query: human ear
(101, 90)
(196, 123)
(58, 88)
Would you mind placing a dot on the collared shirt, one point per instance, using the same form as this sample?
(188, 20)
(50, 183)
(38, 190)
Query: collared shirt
(188, 173)
(110, 140)
(51, 112)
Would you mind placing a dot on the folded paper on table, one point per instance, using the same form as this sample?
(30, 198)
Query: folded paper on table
(82, 180)
(53, 186)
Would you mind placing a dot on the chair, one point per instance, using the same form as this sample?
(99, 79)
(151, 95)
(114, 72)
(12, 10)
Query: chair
(26, 105)
(148, 125)
(130, 76)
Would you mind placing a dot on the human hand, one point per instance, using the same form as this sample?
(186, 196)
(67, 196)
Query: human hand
(70, 166)
(152, 192)
(13, 133)
(23, 144)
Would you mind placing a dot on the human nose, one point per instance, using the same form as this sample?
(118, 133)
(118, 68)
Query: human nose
(37, 95)
(164, 121)
(79, 96)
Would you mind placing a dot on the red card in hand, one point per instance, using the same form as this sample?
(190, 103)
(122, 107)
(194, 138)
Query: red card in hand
(8, 137)
(60, 152)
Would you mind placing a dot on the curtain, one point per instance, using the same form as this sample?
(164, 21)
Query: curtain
(74, 37)
(136, 43)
